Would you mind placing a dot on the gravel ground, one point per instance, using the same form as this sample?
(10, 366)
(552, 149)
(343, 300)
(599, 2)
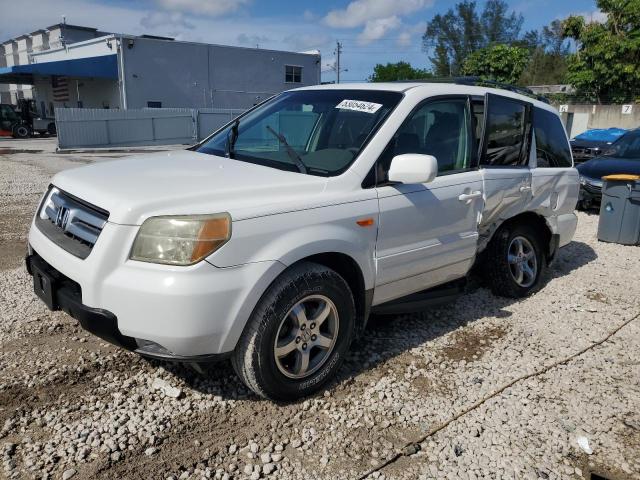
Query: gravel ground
(485, 387)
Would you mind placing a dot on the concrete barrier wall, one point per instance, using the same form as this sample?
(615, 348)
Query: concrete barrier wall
(579, 118)
(101, 128)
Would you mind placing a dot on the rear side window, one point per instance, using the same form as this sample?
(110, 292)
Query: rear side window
(552, 147)
(505, 133)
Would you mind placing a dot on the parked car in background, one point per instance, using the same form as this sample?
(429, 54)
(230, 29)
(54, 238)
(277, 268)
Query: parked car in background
(272, 241)
(621, 157)
(594, 142)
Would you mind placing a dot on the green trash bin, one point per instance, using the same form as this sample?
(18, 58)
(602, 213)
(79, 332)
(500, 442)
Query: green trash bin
(620, 210)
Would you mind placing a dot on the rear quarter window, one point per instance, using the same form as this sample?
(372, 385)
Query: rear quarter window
(552, 146)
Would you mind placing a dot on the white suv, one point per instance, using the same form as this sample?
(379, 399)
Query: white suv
(273, 240)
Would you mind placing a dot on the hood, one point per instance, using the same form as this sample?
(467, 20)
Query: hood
(186, 183)
(584, 143)
(601, 166)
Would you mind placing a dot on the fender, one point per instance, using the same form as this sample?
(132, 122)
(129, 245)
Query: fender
(291, 237)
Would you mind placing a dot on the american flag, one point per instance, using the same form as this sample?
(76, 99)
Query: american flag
(60, 87)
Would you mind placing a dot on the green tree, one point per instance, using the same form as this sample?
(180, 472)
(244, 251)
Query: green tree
(501, 63)
(397, 71)
(548, 51)
(606, 66)
(454, 35)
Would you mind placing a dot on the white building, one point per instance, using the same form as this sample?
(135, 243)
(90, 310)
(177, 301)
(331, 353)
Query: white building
(72, 66)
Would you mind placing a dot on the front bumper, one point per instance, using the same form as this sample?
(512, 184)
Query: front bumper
(66, 295)
(590, 195)
(180, 313)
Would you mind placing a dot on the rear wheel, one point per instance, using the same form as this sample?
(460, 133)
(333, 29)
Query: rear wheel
(515, 261)
(298, 334)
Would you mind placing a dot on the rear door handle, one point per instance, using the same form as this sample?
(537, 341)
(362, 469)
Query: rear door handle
(465, 197)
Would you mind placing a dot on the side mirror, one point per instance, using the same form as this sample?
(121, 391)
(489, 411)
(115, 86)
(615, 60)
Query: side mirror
(413, 168)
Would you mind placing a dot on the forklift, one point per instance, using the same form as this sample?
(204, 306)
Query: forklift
(11, 124)
(33, 120)
(24, 121)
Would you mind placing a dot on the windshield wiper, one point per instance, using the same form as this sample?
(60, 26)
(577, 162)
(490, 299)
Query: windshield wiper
(293, 155)
(232, 138)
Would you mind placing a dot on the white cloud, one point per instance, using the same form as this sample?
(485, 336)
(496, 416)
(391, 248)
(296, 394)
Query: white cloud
(155, 20)
(307, 41)
(309, 16)
(360, 12)
(596, 16)
(409, 33)
(252, 40)
(212, 8)
(377, 28)
(404, 39)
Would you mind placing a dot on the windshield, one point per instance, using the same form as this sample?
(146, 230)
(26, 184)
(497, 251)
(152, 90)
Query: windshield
(318, 132)
(628, 146)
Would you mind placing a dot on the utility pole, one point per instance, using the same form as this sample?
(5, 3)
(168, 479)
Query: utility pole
(338, 52)
(335, 66)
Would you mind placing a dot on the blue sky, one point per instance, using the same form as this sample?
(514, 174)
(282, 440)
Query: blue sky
(371, 31)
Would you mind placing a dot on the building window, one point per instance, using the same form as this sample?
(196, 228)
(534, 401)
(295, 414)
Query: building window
(292, 74)
(154, 104)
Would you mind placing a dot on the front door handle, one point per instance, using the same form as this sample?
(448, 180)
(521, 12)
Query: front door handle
(465, 197)
(525, 188)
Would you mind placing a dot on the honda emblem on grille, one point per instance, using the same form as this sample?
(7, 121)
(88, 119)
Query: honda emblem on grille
(62, 218)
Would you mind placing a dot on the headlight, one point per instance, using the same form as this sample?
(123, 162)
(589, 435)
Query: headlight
(180, 240)
(590, 181)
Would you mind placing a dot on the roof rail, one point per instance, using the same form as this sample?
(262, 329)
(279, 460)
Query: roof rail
(480, 82)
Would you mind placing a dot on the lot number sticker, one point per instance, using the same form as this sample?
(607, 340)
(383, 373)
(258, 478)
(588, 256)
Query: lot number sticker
(359, 106)
(627, 109)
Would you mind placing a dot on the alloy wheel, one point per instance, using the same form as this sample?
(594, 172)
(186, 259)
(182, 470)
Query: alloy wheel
(523, 263)
(306, 336)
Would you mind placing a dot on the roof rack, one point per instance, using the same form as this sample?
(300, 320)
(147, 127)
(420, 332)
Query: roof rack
(480, 82)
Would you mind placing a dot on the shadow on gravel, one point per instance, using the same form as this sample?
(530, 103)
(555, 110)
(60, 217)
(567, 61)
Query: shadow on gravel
(387, 337)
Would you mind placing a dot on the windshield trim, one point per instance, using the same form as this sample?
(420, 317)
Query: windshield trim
(279, 165)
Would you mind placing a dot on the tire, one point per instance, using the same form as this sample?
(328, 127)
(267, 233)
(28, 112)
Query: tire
(277, 321)
(21, 131)
(504, 261)
(51, 128)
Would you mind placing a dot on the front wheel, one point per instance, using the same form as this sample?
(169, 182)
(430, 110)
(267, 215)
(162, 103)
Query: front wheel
(515, 261)
(21, 131)
(298, 334)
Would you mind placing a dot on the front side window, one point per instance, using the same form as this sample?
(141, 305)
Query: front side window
(440, 128)
(505, 133)
(292, 74)
(552, 147)
(318, 132)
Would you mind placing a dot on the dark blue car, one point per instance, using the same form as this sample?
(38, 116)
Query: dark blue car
(622, 157)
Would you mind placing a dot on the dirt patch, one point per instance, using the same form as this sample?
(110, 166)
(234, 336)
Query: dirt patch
(470, 344)
(12, 151)
(12, 253)
(597, 297)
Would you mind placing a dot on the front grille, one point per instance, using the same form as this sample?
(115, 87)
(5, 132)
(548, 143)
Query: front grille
(592, 188)
(579, 152)
(70, 223)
